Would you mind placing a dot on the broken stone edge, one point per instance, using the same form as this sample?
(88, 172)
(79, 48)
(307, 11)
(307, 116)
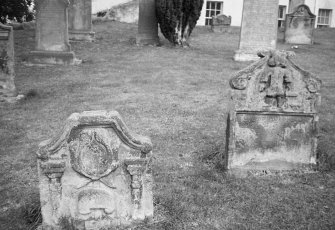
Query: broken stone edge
(110, 119)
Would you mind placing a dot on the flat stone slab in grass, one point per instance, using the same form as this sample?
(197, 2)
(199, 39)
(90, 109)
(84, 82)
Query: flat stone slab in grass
(273, 122)
(95, 174)
(300, 26)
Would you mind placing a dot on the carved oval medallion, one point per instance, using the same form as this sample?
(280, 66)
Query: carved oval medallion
(91, 157)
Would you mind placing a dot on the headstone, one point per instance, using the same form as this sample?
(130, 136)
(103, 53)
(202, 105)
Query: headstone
(95, 174)
(258, 29)
(52, 41)
(273, 121)
(221, 23)
(80, 20)
(147, 23)
(293, 4)
(300, 26)
(7, 73)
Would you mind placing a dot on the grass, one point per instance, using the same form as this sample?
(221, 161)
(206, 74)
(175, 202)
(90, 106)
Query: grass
(179, 98)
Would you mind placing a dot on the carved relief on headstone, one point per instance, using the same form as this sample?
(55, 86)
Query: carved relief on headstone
(258, 28)
(293, 4)
(273, 121)
(300, 26)
(95, 174)
(7, 74)
(220, 23)
(52, 41)
(80, 20)
(147, 33)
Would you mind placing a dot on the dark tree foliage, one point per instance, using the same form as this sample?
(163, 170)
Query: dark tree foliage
(177, 18)
(15, 10)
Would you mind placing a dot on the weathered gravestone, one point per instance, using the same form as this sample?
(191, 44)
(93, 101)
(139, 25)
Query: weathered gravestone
(95, 174)
(300, 26)
(221, 23)
(7, 74)
(52, 42)
(147, 24)
(80, 20)
(273, 122)
(258, 29)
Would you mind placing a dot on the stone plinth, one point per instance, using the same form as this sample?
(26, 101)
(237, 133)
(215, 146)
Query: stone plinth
(273, 121)
(95, 174)
(258, 28)
(300, 26)
(80, 20)
(221, 23)
(7, 73)
(52, 42)
(147, 23)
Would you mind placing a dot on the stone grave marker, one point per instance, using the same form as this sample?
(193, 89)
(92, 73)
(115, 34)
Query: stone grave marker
(7, 73)
(258, 29)
(95, 174)
(300, 26)
(221, 23)
(273, 122)
(52, 41)
(147, 23)
(80, 20)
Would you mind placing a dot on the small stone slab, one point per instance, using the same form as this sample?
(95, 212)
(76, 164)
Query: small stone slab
(95, 174)
(221, 23)
(300, 26)
(273, 122)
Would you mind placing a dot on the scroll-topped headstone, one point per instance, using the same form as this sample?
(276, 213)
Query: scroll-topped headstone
(95, 174)
(273, 122)
(300, 26)
(258, 29)
(7, 73)
(220, 23)
(52, 41)
(147, 23)
(80, 20)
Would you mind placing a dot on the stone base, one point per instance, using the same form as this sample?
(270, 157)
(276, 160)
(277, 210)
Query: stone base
(299, 41)
(147, 39)
(81, 35)
(52, 58)
(245, 56)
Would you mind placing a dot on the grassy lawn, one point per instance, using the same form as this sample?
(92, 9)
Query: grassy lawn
(179, 98)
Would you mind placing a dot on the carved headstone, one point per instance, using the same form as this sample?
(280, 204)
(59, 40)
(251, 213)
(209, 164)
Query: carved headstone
(300, 26)
(147, 23)
(95, 174)
(220, 23)
(7, 74)
(273, 122)
(52, 41)
(258, 29)
(80, 20)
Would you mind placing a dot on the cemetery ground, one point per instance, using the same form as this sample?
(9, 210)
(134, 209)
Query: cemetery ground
(179, 97)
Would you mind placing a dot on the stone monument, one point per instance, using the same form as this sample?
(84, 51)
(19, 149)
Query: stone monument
(7, 73)
(80, 20)
(95, 174)
(147, 23)
(52, 42)
(273, 122)
(300, 26)
(258, 29)
(221, 23)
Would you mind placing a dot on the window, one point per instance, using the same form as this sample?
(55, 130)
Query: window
(281, 16)
(324, 18)
(213, 8)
